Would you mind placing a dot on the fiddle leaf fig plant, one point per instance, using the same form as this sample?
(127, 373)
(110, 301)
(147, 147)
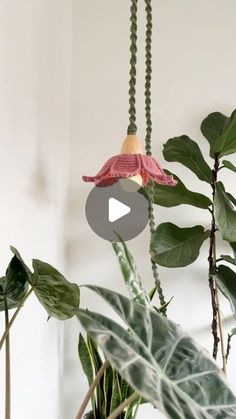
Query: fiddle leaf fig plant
(156, 360)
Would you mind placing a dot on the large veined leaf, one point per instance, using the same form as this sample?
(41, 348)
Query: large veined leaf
(212, 127)
(14, 285)
(174, 247)
(171, 197)
(225, 214)
(186, 151)
(228, 258)
(59, 297)
(226, 281)
(229, 165)
(165, 365)
(130, 274)
(226, 143)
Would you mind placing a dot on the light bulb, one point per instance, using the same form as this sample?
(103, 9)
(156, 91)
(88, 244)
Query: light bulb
(131, 184)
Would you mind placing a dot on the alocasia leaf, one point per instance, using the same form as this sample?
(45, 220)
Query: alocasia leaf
(14, 285)
(164, 364)
(225, 214)
(174, 247)
(130, 274)
(59, 297)
(186, 151)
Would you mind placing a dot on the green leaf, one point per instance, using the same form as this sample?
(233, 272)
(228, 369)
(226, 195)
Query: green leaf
(97, 363)
(14, 285)
(116, 398)
(171, 197)
(165, 365)
(174, 247)
(107, 389)
(85, 359)
(226, 281)
(233, 331)
(130, 274)
(231, 198)
(212, 127)
(184, 150)
(59, 297)
(229, 165)
(225, 214)
(228, 258)
(226, 143)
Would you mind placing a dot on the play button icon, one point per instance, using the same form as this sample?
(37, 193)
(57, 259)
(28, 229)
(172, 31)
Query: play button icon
(115, 212)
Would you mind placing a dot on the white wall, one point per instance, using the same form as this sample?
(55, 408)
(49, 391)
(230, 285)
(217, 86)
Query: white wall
(63, 111)
(35, 57)
(194, 74)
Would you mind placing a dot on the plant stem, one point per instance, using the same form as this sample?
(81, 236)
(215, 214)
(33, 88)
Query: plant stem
(123, 405)
(221, 330)
(217, 319)
(5, 334)
(91, 390)
(7, 366)
(228, 346)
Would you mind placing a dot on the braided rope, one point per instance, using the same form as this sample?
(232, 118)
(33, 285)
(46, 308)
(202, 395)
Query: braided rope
(132, 128)
(148, 146)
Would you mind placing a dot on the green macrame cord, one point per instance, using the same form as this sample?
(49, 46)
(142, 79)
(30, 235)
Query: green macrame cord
(132, 128)
(148, 145)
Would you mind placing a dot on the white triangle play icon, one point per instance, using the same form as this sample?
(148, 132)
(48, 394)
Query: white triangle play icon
(116, 209)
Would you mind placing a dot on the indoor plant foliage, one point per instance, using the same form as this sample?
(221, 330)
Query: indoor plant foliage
(161, 363)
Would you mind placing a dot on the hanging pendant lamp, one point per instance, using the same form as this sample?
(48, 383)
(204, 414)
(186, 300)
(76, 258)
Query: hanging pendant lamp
(132, 163)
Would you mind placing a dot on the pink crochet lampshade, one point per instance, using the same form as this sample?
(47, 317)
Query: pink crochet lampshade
(128, 164)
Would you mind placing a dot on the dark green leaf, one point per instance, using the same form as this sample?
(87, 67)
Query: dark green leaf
(212, 127)
(226, 281)
(59, 297)
(184, 150)
(225, 214)
(229, 165)
(85, 359)
(107, 389)
(14, 285)
(116, 398)
(171, 197)
(164, 365)
(226, 143)
(97, 363)
(231, 198)
(130, 274)
(173, 247)
(228, 258)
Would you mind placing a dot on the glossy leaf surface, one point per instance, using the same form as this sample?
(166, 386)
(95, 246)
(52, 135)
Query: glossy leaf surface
(165, 365)
(186, 151)
(229, 165)
(226, 281)
(14, 285)
(130, 274)
(174, 247)
(225, 214)
(171, 197)
(212, 127)
(226, 143)
(59, 297)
